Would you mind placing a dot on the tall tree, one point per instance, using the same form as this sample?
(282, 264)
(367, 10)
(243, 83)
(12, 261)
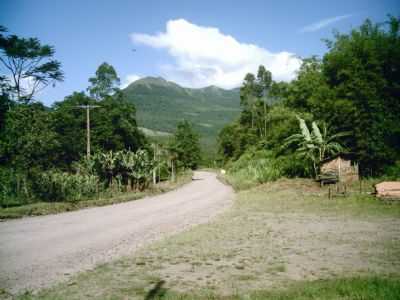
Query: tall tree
(185, 145)
(31, 65)
(104, 83)
(248, 99)
(113, 126)
(264, 81)
(363, 67)
(28, 139)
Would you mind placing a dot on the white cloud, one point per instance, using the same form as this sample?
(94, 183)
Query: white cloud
(323, 23)
(129, 79)
(205, 56)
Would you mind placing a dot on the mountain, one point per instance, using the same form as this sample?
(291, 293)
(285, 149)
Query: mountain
(161, 104)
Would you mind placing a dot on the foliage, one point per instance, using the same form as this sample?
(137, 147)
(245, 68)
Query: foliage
(133, 170)
(28, 140)
(185, 146)
(353, 89)
(314, 145)
(61, 186)
(259, 166)
(105, 83)
(40, 147)
(252, 168)
(30, 65)
(113, 126)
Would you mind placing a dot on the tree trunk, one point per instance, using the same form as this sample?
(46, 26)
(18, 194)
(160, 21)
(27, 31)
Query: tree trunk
(265, 119)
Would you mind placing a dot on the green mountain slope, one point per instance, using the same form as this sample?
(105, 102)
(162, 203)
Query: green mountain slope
(162, 104)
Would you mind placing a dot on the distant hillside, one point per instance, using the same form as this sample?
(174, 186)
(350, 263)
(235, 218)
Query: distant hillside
(162, 104)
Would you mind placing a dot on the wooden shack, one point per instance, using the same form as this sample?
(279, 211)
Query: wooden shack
(341, 167)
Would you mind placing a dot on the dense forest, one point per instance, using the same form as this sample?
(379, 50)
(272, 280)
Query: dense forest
(348, 101)
(43, 150)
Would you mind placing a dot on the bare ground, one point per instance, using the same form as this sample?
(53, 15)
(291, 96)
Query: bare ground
(274, 235)
(40, 251)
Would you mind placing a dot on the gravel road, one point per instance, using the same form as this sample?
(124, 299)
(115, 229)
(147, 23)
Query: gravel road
(37, 252)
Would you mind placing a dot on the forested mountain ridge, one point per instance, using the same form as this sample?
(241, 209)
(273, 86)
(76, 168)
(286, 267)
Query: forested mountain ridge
(161, 104)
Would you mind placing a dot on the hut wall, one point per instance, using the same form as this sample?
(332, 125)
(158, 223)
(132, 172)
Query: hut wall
(343, 168)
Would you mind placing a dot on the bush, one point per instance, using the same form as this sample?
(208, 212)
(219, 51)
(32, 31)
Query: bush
(259, 166)
(60, 186)
(15, 188)
(393, 172)
(252, 168)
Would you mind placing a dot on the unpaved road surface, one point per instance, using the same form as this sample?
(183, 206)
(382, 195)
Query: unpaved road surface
(40, 251)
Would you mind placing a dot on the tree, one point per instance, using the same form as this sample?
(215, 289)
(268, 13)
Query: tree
(29, 140)
(105, 83)
(363, 67)
(264, 81)
(248, 99)
(69, 122)
(113, 126)
(185, 147)
(30, 63)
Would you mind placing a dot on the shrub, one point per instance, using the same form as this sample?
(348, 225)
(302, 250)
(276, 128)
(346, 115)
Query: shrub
(259, 166)
(60, 186)
(393, 172)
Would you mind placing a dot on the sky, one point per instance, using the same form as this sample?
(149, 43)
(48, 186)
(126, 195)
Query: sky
(193, 43)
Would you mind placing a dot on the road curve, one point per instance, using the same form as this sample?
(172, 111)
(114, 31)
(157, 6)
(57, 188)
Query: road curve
(37, 252)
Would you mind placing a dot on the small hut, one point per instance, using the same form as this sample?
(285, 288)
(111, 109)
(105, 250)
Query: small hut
(339, 168)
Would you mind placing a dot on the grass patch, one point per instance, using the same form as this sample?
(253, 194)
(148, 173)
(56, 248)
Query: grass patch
(46, 208)
(365, 288)
(373, 288)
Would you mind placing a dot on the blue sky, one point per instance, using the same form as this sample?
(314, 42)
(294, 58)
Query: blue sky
(195, 43)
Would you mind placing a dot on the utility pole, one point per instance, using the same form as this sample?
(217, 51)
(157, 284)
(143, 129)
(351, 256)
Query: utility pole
(155, 161)
(88, 107)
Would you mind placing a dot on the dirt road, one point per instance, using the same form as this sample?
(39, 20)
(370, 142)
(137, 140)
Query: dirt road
(39, 251)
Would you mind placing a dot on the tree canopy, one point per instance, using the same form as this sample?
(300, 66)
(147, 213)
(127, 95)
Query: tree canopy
(354, 88)
(30, 64)
(186, 146)
(104, 83)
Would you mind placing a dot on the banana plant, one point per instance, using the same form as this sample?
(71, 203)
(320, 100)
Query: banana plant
(313, 144)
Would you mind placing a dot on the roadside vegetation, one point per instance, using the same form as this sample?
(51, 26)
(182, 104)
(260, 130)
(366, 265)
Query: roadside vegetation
(344, 102)
(47, 161)
(107, 197)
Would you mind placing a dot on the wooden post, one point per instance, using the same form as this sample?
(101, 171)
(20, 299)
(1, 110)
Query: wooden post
(173, 170)
(87, 131)
(329, 192)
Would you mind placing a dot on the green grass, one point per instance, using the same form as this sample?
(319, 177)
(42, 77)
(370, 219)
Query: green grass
(368, 288)
(46, 208)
